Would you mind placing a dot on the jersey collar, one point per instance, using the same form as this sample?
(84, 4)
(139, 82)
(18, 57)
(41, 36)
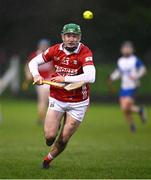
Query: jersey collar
(67, 52)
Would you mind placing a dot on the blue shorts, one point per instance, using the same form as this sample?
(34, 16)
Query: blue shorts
(127, 93)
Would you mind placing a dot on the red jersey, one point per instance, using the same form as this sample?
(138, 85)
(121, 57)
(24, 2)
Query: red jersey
(45, 70)
(69, 64)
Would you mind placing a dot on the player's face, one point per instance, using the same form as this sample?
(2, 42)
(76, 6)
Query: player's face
(71, 40)
(126, 50)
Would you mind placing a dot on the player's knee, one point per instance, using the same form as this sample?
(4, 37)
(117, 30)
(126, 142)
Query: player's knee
(50, 141)
(49, 133)
(50, 138)
(125, 109)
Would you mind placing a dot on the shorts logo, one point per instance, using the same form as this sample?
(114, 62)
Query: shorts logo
(87, 59)
(51, 104)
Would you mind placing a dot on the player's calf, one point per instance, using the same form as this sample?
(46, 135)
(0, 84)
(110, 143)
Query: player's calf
(143, 114)
(60, 145)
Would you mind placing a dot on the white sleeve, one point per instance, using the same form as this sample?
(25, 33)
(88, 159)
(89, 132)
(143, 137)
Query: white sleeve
(115, 75)
(88, 75)
(34, 63)
(139, 73)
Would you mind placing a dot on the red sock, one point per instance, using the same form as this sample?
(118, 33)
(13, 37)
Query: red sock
(49, 157)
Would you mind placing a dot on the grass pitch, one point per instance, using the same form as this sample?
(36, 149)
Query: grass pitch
(103, 147)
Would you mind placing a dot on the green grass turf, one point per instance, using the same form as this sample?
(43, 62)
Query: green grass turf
(103, 147)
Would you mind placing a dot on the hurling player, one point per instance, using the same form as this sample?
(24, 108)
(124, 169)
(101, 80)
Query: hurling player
(45, 71)
(73, 62)
(130, 69)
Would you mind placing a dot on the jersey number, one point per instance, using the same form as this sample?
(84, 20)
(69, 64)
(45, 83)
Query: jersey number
(65, 61)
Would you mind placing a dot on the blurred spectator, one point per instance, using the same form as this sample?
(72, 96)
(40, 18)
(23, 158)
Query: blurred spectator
(45, 71)
(11, 76)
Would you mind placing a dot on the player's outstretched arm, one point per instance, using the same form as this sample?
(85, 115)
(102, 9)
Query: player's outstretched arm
(33, 67)
(115, 75)
(139, 73)
(34, 63)
(142, 71)
(88, 75)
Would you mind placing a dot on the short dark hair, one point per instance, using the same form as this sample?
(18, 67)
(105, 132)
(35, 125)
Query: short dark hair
(128, 43)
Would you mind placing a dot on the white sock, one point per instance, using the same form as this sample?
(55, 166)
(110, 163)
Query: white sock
(50, 156)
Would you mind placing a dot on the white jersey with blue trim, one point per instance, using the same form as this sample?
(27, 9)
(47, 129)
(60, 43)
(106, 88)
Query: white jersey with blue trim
(128, 67)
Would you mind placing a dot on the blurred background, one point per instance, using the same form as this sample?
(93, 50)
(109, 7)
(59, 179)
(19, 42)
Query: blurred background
(23, 23)
(104, 133)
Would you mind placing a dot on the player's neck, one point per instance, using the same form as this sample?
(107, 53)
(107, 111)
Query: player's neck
(71, 49)
(127, 55)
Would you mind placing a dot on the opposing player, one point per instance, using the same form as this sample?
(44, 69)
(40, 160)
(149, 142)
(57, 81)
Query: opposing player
(73, 62)
(45, 71)
(130, 69)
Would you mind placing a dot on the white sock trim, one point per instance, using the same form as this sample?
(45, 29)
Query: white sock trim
(50, 156)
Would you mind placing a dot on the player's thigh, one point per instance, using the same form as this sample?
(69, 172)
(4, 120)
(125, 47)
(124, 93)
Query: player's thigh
(77, 112)
(52, 122)
(42, 93)
(126, 102)
(45, 95)
(70, 126)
